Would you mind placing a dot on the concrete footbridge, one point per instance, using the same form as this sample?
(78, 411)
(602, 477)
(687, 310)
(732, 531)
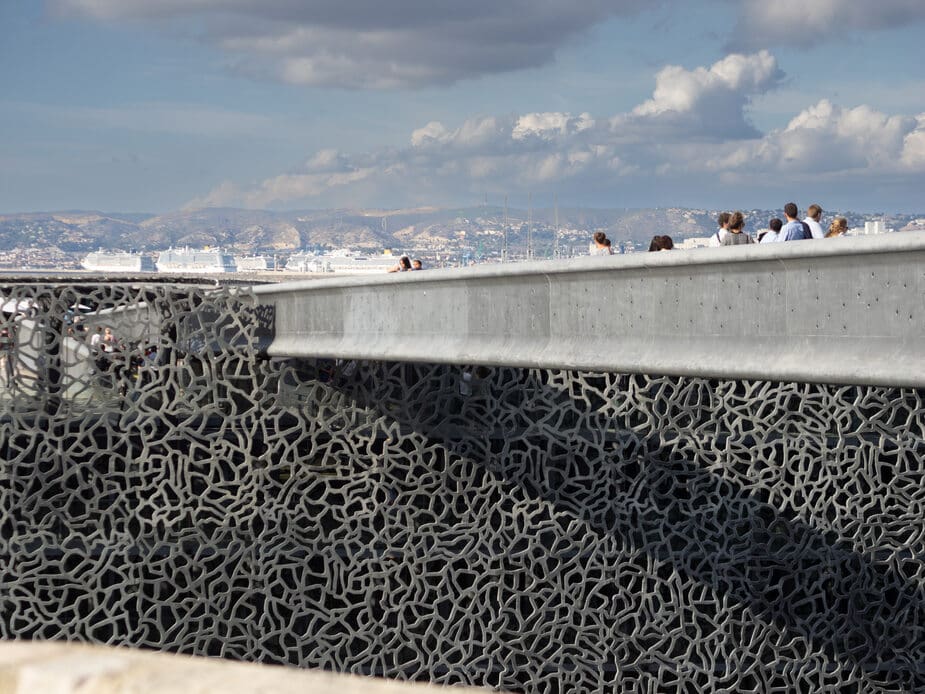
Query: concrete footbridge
(848, 310)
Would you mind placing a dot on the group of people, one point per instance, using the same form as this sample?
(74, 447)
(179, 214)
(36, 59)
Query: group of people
(661, 243)
(103, 340)
(732, 232)
(405, 264)
(731, 227)
(107, 352)
(600, 244)
(121, 363)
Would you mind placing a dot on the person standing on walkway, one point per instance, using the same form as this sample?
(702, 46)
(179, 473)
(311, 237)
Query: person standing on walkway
(600, 244)
(661, 243)
(404, 265)
(717, 239)
(770, 236)
(7, 351)
(838, 227)
(736, 235)
(793, 229)
(814, 221)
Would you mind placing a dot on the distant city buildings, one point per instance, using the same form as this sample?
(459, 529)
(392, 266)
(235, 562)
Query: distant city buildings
(875, 227)
(62, 240)
(693, 242)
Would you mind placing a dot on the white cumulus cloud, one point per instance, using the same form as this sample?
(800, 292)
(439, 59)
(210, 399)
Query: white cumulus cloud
(550, 125)
(710, 100)
(913, 155)
(828, 142)
(802, 23)
(692, 132)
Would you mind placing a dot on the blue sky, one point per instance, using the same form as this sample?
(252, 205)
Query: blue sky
(132, 105)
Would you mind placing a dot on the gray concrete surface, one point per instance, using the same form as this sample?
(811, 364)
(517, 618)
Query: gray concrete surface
(62, 668)
(848, 310)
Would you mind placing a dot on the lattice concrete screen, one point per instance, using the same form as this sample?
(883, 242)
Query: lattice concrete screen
(532, 530)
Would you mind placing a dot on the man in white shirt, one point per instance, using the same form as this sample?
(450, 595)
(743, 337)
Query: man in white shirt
(813, 219)
(716, 240)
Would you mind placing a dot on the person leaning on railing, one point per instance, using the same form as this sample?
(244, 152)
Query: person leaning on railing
(838, 227)
(661, 243)
(600, 244)
(404, 265)
(736, 235)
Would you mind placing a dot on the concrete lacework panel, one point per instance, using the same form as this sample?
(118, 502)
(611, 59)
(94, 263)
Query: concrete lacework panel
(532, 530)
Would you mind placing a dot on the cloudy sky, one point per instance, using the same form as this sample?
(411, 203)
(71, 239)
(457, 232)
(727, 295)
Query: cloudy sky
(137, 105)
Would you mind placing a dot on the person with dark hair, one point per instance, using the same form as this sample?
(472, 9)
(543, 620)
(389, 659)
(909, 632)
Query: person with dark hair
(723, 220)
(736, 235)
(96, 338)
(774, 227)
(794, 229)
(600, 244)
(416, 264)
(404, 265)
(661, 243)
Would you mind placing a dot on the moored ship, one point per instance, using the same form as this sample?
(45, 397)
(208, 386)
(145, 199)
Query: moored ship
(305, 262)
(252, 263)
(118, 261)
(192, 261)
(341, 261)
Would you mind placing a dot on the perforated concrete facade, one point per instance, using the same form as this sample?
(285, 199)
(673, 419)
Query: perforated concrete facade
(536, 530)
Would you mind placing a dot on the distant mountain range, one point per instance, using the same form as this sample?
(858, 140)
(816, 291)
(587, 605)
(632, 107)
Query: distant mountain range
(248, 231)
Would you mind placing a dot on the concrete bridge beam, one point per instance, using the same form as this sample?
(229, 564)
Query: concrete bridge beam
(847, 311)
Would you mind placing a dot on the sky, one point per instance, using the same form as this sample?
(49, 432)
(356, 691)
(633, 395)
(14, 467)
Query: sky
(143, 106)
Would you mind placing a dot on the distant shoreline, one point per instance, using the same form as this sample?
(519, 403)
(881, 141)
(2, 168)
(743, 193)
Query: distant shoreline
(266, 276)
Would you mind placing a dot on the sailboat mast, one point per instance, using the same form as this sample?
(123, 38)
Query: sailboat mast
(555, 253)
(530, 229)
(504, 244)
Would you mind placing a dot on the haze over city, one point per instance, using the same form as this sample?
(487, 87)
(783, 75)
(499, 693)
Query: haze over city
(138, 106)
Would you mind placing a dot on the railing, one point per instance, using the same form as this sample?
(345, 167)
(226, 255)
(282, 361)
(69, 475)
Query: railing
(844, 311)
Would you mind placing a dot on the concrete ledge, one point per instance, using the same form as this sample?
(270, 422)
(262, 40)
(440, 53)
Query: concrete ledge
(834, 311)
(63, 668)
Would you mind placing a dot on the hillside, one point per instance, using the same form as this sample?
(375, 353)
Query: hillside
(435, 229)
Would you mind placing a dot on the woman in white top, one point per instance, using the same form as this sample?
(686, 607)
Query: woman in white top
(600, 244)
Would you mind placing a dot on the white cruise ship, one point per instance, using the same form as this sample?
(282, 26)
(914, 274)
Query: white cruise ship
(305, 262)
(341, 261)
(110, 261)
(251, 263)
(191, 261)
(360, 264)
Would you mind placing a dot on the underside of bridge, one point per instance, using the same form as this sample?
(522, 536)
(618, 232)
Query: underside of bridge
(529, 529)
